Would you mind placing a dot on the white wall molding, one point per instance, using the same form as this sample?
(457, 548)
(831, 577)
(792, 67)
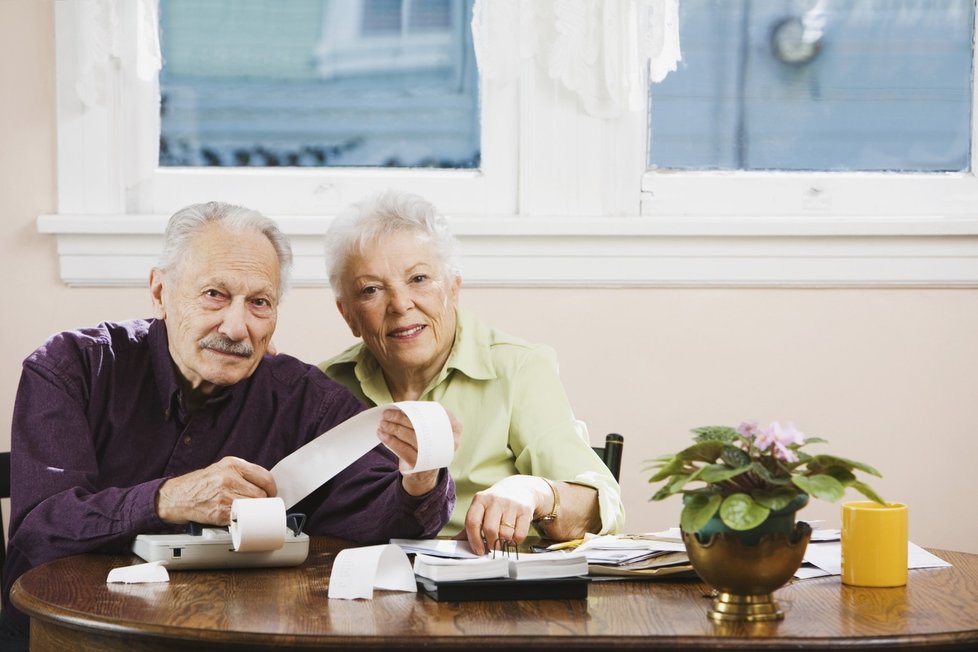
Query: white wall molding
(119, 250)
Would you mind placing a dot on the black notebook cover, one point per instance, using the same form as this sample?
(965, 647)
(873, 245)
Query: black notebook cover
(504, 588)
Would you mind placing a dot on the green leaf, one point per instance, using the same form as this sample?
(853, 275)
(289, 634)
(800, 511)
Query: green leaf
(672, 467)
(766, 475)
(867, 491)
(844, 476)
(724, 434)
(821, 486)
(740, 512)
(715, 473)
(698, 511)
(707, 451)
(735, 457)
(674, 486)
(814, 440)
(826, 461)
(776, 499)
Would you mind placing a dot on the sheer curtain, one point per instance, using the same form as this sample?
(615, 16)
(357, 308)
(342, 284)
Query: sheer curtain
(600, 50)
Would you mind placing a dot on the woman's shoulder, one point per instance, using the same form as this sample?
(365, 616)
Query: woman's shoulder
(507, 351)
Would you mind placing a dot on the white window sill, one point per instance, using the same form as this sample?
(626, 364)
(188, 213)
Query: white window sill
(119, 250)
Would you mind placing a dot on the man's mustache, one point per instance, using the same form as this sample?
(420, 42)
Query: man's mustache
(225, 345)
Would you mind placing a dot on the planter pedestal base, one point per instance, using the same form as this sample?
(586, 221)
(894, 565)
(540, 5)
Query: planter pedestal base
(745, 575)
(730, 607)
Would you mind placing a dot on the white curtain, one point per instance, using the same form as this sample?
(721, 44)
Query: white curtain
(599, 50)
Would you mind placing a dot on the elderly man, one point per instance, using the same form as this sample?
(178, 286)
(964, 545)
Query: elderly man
(143, 425)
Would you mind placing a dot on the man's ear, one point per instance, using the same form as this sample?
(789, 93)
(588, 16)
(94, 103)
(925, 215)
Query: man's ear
(346, 318)
(156, 292)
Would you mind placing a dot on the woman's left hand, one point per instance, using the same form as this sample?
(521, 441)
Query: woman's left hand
(504, 511)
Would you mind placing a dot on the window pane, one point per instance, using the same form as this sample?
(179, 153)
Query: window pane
(315, 83)
(817, 85)
(381, 17)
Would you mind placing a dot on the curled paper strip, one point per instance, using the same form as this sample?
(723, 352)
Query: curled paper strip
(257, 524)
(305, 470)
(153, 571)
(357, 571)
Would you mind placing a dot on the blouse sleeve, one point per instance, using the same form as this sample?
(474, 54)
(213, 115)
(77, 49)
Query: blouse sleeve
(548, 441)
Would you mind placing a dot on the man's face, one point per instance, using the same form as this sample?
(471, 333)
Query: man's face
(220, 305)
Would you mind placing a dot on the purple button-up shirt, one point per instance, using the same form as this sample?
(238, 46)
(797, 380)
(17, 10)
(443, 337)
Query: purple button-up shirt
(98, 427)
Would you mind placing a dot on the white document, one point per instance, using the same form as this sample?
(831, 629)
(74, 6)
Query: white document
(308, 468)
(358, 571)
(828, 557)
(448, 548)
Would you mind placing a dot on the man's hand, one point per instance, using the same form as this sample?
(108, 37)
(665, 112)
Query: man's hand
(205, 496)
(397, 433)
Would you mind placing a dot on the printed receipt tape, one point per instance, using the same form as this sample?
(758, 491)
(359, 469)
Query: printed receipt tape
(257, 524)
(305, 470)
(358, 571)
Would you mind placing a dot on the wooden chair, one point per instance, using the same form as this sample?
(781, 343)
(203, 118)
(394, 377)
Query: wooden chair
(610, 453)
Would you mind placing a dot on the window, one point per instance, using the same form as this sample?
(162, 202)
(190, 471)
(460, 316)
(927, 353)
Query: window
(851, 85)
(562, 192)
(315, 83)
(821, 108)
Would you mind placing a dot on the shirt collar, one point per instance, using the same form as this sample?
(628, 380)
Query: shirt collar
(472, 352)
(470, 355)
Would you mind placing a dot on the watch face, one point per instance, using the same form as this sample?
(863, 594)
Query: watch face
(789, 43)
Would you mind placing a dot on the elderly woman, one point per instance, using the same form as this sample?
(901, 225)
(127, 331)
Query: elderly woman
(520, 460)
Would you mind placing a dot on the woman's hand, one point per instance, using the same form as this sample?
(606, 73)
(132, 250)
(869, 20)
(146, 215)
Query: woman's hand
(505, 510)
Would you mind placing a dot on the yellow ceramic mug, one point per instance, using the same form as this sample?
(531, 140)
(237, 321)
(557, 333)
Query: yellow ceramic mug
(874, 544)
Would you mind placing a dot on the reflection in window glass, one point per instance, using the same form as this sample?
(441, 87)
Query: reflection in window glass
(378, 83)
(863, 85)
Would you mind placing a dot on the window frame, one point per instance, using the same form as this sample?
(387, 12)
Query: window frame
(562, 199)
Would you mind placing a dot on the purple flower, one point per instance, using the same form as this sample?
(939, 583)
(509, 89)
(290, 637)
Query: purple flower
(777, 439)
(748, 429)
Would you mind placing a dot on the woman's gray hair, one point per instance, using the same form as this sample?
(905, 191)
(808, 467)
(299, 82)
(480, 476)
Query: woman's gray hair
(369, 220)
(187, 222)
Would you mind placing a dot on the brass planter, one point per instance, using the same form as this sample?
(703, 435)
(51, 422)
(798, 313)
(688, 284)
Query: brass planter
(745, 576)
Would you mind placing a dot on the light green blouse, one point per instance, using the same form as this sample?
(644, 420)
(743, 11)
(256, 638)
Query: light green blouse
(515, 415)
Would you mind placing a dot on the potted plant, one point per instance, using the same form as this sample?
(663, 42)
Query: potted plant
(741, 488)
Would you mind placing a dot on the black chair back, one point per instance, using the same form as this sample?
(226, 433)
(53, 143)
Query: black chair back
(4, 493)
(611, 452)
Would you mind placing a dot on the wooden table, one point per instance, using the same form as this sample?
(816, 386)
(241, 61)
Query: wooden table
(72, 607)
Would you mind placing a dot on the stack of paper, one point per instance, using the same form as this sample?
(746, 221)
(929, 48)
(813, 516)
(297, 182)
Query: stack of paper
(443, 569)
(527, 566)
(542, 565)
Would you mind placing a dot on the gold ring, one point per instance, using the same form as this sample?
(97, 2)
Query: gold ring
(511, 527)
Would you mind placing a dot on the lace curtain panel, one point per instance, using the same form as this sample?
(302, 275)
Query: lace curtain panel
(600, 50)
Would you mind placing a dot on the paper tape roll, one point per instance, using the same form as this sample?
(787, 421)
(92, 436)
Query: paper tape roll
(257, 524)
(436, 443)
(306, 469)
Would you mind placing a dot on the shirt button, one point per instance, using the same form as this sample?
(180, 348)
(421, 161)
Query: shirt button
(187, 439)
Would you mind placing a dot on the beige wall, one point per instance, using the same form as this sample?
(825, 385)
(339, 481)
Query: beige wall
(889, 377)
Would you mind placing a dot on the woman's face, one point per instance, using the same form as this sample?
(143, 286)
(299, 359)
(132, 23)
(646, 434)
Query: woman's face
(397, 298)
